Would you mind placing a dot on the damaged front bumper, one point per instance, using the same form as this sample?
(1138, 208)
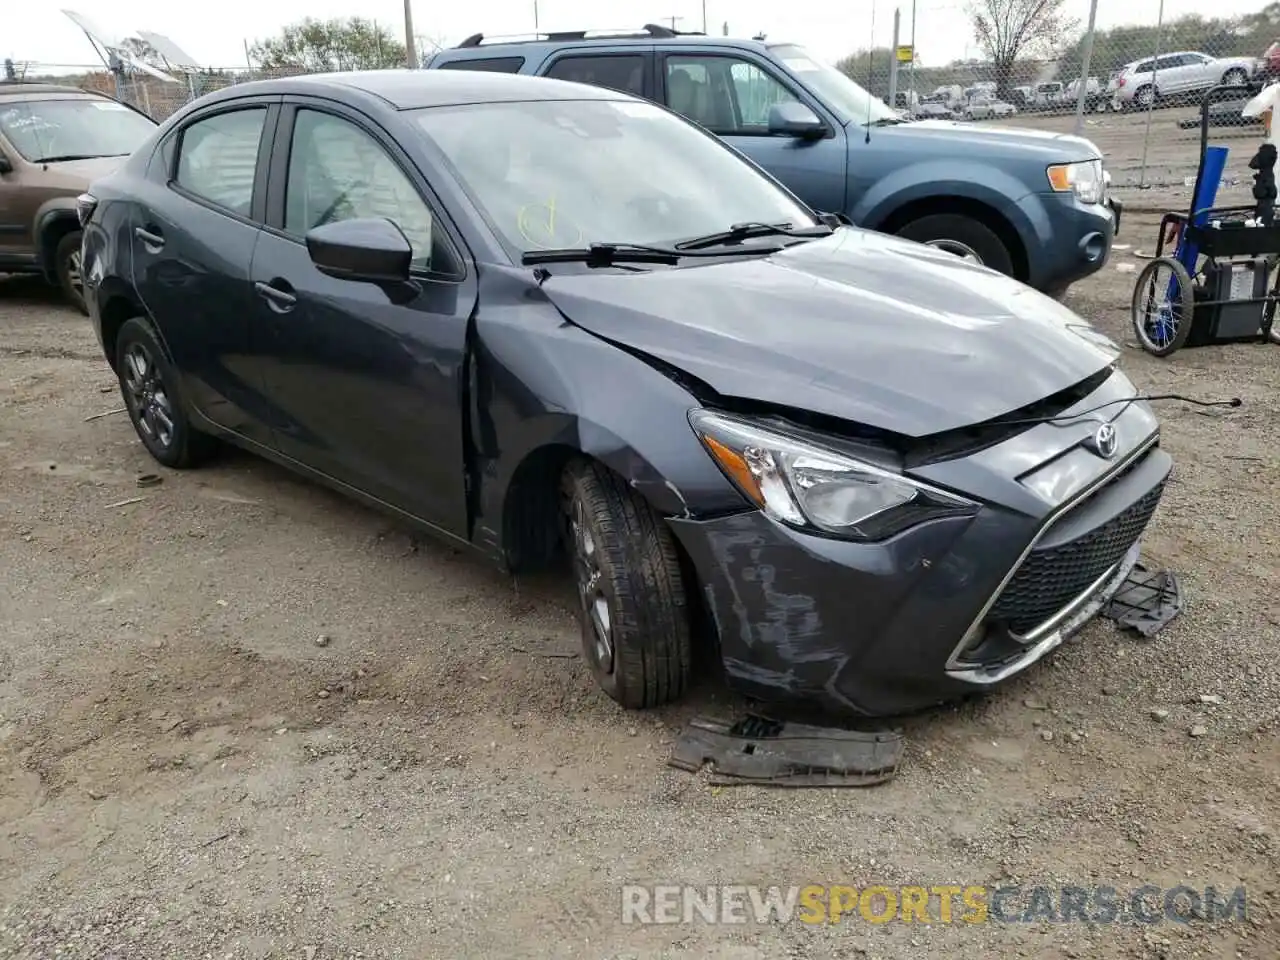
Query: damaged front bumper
(948, 608)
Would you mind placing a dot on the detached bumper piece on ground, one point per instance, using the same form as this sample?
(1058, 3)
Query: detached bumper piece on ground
(1146, 601)
(764, 752)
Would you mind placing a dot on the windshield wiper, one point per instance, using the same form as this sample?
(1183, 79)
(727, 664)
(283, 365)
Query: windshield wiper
(71, 156)
(742, 231)
(603, 254)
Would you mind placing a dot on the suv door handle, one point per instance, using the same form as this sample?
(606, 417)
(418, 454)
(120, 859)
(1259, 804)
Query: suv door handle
(277, 299)
(149, 238)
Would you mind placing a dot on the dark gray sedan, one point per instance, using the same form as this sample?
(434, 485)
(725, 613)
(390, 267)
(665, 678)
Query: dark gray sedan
(547, 320)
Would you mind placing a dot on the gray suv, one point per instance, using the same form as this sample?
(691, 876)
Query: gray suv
(1030, 204)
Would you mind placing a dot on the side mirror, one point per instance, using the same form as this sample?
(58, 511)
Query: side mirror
(5, 165)
(795, 120)
(369, 250)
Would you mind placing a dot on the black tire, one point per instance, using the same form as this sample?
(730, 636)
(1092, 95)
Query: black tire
(1141, 96)
(66, 267)
(1235, 77)
(149, 386)
(626, 566)
(945, 230)
(1182, 308)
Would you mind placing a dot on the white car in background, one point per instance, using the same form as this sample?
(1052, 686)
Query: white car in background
(987, 108)
(1143, 82)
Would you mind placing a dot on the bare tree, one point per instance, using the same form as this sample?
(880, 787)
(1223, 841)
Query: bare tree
(1009, 29)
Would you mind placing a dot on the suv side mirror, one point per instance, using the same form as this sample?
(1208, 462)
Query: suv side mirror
(795, 120)
(5, 165)
(365, 249)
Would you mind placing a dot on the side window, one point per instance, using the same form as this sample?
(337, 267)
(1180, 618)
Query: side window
(218, 156)
(339, 172)
(487, 65)
(625, 73)
(726, 95)
(1168, 63)
(1143, 67)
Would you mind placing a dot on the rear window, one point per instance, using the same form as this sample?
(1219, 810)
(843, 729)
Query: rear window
(486, 64)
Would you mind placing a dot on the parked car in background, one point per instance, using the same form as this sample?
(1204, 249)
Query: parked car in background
(53, 140)
(986, 108)
(1142, 83)
(1096, 97)
(934, 111)
(544, 319)
(1048, 95)
(1029, 204)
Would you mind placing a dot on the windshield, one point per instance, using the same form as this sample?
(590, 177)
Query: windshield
(568, 173)
(841, 95)
(73, 128)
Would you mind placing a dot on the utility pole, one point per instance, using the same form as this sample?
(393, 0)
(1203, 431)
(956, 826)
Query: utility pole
(410, 44)
(1084, 68)
(704, 16)
(535, 18)
(673, 22)
(893, 61)
(911, 67)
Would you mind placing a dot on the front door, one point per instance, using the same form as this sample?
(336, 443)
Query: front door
(194, 226)
(366, 383)
(731, 95)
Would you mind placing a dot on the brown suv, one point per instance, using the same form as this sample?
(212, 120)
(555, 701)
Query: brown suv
(54, 140)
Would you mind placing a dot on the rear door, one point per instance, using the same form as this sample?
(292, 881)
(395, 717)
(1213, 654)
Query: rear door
(628, 69)
(195, 224)
(731, 94)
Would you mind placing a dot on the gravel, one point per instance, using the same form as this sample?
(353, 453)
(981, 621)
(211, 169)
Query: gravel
(175, 782)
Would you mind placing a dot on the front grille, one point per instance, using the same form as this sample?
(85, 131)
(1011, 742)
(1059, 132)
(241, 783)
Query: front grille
(1051, 578)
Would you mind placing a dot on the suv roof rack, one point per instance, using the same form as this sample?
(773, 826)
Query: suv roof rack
(650, 31)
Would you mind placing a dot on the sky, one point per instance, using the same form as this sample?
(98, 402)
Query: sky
(215, 33)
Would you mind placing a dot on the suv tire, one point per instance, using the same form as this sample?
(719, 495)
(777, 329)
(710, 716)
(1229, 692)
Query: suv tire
(963, 236)
(66, 268)
(634, 613)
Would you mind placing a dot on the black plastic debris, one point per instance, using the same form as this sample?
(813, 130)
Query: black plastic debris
(772, 753)
(1146, 601)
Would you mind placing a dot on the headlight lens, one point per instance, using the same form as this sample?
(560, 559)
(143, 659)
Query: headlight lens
(806, 486)
(1084, 178)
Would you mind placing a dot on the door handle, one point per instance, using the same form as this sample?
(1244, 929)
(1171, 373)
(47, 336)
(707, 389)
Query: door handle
(149, 238)
(279, 300)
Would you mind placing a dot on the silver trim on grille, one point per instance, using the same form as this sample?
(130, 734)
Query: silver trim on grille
(958, 668)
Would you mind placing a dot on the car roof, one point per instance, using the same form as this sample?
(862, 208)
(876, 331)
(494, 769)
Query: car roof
(544, 45)
(414, 89)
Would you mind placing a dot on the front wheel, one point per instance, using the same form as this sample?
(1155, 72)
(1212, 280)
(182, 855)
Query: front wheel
(634, 614)
(149, 385)
(963, 236)
(1163, 306)
(67, 269)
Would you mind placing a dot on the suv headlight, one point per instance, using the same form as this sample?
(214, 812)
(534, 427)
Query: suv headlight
(812, 488)
(1084, 178)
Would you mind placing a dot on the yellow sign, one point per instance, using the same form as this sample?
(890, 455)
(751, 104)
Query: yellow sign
(906, 54)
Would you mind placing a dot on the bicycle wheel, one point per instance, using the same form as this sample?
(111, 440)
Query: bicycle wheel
(1163, 303)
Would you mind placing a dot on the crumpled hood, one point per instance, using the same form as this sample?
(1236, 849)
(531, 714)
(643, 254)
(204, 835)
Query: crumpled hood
(859, 325)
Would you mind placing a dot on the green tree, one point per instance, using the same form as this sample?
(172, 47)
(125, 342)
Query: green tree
(319, 46)
(1009, 30)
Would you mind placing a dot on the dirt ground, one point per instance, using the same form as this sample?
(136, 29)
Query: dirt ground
(244, 718)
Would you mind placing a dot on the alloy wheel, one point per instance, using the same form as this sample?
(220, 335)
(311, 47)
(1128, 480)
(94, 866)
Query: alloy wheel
(591, 593)
(146, 396)
(74, 273)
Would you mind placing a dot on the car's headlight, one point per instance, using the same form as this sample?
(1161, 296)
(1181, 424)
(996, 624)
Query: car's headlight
(807, 486)
(1085, 179)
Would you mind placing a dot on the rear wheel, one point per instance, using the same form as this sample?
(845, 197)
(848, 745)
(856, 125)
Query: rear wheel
(634, 613)
(1235, 77)
(67, 268)
(1163, 305)
(149, 385)
(964, 236)
(1144, 97)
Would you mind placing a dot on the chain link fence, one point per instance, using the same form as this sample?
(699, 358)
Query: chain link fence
(1135, 91)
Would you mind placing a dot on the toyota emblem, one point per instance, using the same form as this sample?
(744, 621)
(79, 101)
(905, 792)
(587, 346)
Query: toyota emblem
(1104, 441)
